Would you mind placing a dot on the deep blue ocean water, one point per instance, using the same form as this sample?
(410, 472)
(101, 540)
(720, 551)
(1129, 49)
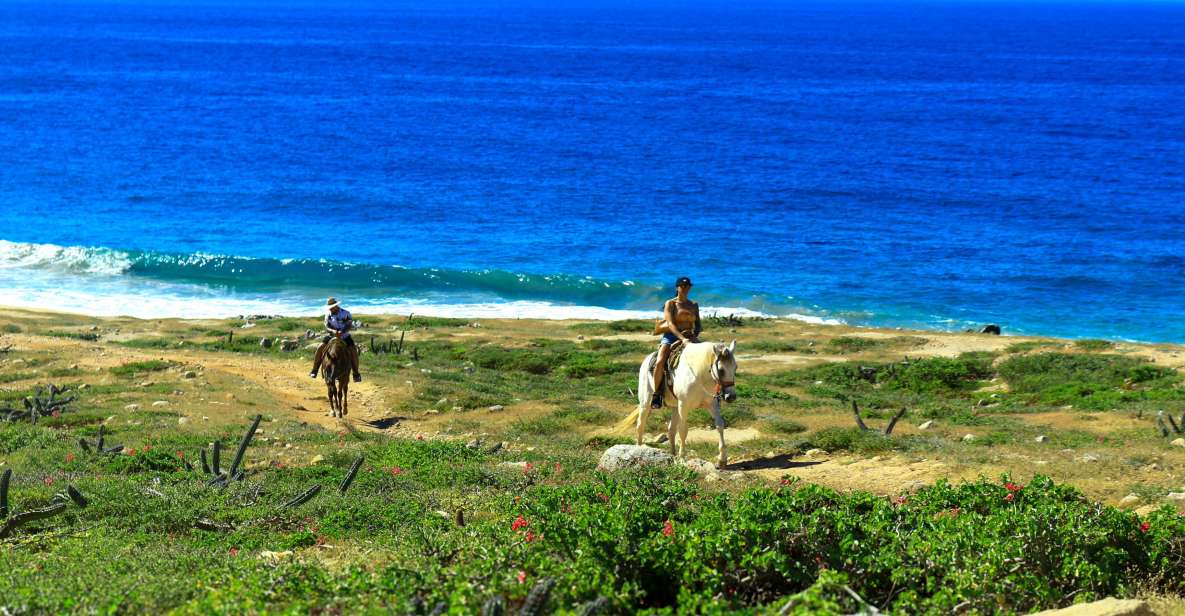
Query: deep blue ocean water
(938, 165)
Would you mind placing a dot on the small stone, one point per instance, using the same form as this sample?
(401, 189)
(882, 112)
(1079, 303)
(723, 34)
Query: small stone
(317, 459)
(146, 384)
(432, 412)
(276, 557)
(181, 421)
(1177, 496)
(468, 369)
(700, 467)
(495, 408)
(926, 425)
(1090, 457)
(967, 438)
(1040, 462)
(474, 444)
(458, 409)
(811, 453)
(425, 371)
(442, 401)
(84, 386)
(580, 337)
(1129, 501)
(132, 407)
(1178, 442)
(160, 403)
(522, 465)
(1041, 439)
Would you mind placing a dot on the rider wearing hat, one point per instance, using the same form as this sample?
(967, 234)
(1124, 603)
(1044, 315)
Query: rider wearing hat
(338, 322)
(681, 318)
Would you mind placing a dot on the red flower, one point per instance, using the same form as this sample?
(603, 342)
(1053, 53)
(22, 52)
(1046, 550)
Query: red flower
(69, 458)
(1145, 527)
(668, 529)
(320, 539)
(49, 481)
(1012, 487)
(530, 536)
(603, 497)
(419, 437)
(148, 448)
(56, 414)
(519, 523)
(522, 577)
(234, 551)
(559, 468)
(955, 510)
(528, 467)
(396, 471)
(131, 452)
(1011, 496)
(901, 500)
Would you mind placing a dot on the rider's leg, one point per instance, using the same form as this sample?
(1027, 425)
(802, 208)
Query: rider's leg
(354, 358)
(660, 367)
(318, 357)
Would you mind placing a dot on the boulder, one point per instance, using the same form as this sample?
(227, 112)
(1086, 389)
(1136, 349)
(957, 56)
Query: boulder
(628, 456)
(495, 408)
(1129, 501)
(992, 329)
(1107, 607)
(1178, 442)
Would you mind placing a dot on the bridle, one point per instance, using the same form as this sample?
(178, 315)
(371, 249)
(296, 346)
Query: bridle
(721, 385)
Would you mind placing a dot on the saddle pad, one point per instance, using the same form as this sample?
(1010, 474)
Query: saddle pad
(672, 359)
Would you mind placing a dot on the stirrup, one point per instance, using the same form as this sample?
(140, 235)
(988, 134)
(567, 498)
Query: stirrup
(656, 400)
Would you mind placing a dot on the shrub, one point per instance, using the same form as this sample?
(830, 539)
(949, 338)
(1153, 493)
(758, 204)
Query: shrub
(139, 367)
(781, 425)
(1093, 345)
(1088, 381)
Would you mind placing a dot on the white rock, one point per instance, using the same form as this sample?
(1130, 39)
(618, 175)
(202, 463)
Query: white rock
(182, 421)
(926, 425)
(441, 401)
(317, 459)
(161, 403)
(1179, 496)
(1040, 462)
(1178, 442)
(1041, 439)
(1129, 501)
(83, 386)
(810, 453)
(495, 408)
(1090, 457)
(1107, 607)
(967, 438)
(131, 407)
(701, 467)
(276, 557)
(627, 456)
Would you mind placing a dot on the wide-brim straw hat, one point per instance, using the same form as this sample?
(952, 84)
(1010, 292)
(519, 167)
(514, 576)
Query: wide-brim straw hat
(331, 304)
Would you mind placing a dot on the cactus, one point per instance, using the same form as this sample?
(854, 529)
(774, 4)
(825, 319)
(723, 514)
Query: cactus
(595, 607)
(77, 497)
(461, 518)
(234, 465)
(21, 519)
(345, 484)
(536, 601)
(99, 446)
(205, 463)
(217, 457)
(4, 480)
(494, 606)
(303, 498)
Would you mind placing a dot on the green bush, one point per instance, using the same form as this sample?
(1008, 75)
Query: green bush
(1093, 345)
(140, 367)
(940, 374)
(1088, 381)
(781, 425)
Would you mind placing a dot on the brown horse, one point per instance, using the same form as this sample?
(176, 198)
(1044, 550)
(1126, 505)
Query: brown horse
(336, 371)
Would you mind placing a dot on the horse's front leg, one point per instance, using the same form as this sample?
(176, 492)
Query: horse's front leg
(681, 417)
(643, 417)
(722, 458)
(345, 397)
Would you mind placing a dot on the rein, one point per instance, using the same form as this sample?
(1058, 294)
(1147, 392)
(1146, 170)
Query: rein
(721, 385)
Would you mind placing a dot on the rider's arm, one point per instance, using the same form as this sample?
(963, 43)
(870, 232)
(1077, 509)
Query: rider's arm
(698, 326)
(328, 327)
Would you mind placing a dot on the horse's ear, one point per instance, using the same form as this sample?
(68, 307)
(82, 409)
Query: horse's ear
(732, 347)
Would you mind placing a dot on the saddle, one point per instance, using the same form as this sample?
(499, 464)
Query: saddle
(672, 360)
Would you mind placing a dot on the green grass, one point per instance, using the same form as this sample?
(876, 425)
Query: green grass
(88, 336)
(140, 367)
(1089, 381)
(1094, 345)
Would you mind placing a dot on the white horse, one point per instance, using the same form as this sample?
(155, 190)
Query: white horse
(706, 374)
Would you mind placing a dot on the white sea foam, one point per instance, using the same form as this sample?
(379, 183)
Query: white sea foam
(69, 259)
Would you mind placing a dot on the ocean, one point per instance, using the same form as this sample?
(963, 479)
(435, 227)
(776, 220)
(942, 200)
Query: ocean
(936, 165)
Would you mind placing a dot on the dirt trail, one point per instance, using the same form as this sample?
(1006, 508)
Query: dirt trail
(287, 380)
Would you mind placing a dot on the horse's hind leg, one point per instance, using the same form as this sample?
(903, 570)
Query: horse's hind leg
(643, 417)
(673, 426)
(344, 390)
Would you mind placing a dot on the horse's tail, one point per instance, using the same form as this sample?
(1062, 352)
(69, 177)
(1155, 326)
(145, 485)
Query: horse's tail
(629, 421)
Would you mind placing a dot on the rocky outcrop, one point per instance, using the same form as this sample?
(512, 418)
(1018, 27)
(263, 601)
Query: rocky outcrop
(631, 456)
(1107, 607)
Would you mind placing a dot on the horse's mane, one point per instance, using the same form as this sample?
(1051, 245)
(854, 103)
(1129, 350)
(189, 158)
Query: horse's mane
(699, 356)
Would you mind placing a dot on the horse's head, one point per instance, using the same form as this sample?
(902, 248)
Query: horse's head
(724, 370)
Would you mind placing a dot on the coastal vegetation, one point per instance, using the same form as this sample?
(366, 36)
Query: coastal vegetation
(478, 479)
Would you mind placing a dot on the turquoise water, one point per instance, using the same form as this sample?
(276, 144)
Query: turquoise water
(905, 164)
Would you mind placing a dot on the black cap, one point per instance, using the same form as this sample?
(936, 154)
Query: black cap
(683, 280)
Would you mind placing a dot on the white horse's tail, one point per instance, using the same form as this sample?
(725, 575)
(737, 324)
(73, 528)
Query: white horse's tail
(645, 390)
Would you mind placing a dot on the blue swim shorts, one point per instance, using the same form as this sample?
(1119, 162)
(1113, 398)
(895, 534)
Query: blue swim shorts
(669, 338)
